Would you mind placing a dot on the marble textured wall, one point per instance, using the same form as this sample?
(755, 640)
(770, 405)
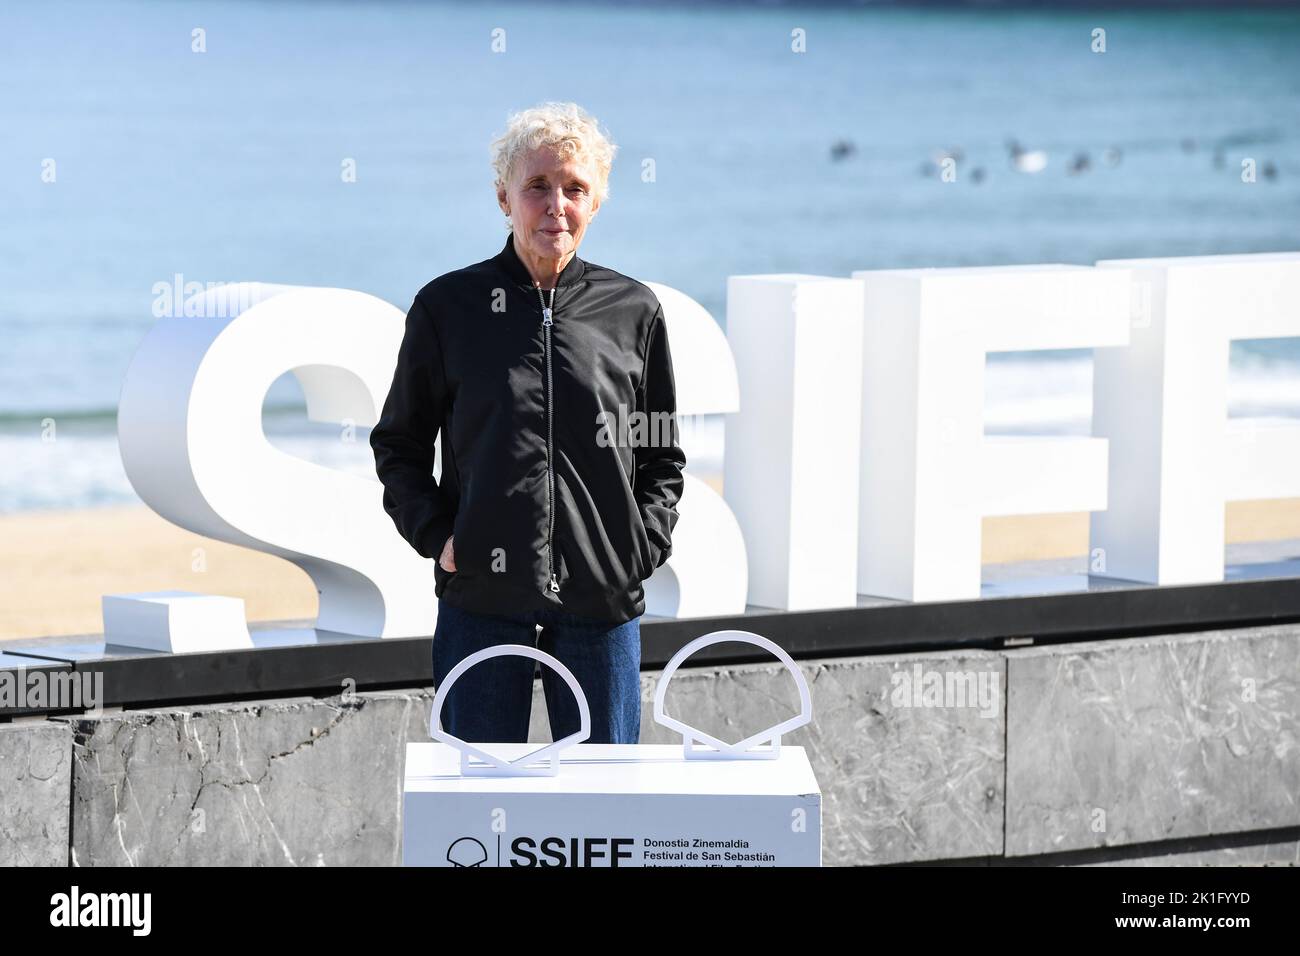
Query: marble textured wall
(35, 785)
(1121, 742)
(298, 781)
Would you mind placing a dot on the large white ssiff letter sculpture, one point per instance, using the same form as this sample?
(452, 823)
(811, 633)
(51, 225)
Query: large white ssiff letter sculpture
(1162, 403)
(190, 433)
(790, 469)
(929, 475)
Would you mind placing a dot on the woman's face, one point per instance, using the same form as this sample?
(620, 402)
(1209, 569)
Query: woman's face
(549, 202)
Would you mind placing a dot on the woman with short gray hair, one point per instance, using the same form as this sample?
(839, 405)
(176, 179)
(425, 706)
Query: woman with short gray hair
(551, 382)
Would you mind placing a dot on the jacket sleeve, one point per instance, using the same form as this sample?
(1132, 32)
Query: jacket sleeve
(659, 481)
(403, 438)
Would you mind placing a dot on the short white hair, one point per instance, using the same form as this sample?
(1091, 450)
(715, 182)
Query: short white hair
(564, 126)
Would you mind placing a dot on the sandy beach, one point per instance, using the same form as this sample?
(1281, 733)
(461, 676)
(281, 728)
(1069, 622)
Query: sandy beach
(55, 565)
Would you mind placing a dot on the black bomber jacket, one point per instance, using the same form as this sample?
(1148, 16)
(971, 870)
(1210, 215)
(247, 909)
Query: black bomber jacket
(558, 493)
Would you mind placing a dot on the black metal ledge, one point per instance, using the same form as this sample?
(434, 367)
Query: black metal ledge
(1039, 602)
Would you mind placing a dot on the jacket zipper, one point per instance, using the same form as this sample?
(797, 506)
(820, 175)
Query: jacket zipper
(547, 321)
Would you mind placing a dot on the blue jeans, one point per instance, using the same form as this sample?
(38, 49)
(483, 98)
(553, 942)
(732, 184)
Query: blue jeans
(491, 702)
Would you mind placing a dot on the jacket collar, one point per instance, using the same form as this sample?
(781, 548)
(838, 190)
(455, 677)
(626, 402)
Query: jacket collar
(508, 259)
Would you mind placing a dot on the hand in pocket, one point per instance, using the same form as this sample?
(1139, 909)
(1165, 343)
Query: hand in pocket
(447, 560)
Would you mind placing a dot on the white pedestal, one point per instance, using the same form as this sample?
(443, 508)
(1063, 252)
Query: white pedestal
(176, 622)
(612, 805)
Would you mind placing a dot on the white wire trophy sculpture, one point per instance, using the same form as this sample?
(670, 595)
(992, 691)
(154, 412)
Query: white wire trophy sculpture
(490, 764)
(742, 749)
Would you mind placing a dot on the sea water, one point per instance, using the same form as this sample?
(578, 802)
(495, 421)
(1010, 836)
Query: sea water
(210, 140)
